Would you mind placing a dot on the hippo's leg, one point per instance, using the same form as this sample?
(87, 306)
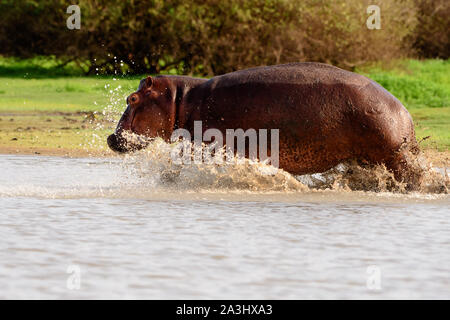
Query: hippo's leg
(403, 163)
(396, 151)
(389, 138)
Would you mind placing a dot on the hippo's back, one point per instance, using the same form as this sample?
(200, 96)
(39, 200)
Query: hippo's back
(304, 90)
(302, 73)
(267, 96)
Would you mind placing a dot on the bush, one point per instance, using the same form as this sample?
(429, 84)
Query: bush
(432, 33)
(206, 37)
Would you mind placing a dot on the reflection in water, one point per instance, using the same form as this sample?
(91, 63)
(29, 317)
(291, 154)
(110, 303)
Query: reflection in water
(135, 235)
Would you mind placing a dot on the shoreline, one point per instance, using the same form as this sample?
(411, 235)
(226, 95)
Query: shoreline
(437, 158)
(57, 152)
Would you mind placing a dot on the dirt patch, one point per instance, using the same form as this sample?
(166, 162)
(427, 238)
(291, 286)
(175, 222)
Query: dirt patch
(438, 158)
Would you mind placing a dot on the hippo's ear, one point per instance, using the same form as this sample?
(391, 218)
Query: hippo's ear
(148, 82)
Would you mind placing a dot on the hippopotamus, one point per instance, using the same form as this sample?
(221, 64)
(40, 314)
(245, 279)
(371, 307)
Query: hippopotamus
(325, 115)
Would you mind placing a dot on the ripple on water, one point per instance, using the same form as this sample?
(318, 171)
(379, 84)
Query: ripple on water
(135, 235)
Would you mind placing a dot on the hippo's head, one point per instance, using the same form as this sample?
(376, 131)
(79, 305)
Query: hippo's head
(150, 113)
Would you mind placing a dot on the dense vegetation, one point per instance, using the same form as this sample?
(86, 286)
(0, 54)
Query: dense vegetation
(215, 36)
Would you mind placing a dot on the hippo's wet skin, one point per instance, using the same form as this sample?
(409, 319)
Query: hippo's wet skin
(325, 115)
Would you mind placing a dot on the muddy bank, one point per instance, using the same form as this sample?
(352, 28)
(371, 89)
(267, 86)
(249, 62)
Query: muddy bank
(78, 134)
(58, 152)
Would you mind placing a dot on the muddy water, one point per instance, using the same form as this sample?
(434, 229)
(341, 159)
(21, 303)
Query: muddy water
(115, 228)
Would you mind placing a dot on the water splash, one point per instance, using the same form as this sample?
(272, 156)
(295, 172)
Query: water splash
(103, 122)
(155, 164)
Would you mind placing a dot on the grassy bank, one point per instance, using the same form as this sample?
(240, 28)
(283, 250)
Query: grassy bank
(51, 109)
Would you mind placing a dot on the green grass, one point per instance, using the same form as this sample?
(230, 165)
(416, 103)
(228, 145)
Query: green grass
(417, 84)
(435, 124)
(40, 85)
(62, 94)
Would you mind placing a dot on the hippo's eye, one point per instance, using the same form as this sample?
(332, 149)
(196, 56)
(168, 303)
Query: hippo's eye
(134, 98)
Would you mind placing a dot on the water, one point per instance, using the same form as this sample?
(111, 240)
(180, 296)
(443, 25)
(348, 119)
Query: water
(132, 236)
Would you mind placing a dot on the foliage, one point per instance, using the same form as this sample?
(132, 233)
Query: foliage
(433, 29)
(205, 37)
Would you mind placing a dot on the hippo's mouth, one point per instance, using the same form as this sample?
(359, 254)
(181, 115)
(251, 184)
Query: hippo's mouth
(117, 143)
(125, 142)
